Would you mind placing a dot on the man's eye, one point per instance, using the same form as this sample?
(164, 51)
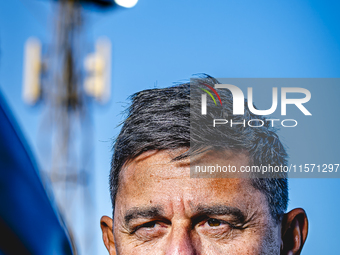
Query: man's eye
(149, 225)
(214, 222)
(150, 230)
(215, 228)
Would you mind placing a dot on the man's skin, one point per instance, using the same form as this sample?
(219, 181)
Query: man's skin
(159, 209)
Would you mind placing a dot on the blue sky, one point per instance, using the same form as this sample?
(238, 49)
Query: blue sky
(157, 43)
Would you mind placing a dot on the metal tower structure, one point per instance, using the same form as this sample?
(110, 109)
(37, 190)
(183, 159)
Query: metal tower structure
(65, 80)
(70, 175)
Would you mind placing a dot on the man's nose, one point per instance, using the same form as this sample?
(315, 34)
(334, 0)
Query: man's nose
(181, 242)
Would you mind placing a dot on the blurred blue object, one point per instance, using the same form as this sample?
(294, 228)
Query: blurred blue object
(29, 222)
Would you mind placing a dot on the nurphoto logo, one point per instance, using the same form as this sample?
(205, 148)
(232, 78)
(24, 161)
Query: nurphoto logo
(239, 99)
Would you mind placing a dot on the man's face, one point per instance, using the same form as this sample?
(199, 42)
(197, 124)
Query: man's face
(161, 210)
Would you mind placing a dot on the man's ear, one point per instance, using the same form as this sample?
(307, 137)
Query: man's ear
(294, 232)
(106, 226)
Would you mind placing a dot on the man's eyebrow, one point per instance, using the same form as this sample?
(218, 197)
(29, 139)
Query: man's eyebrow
(142, 212)
(220, 210)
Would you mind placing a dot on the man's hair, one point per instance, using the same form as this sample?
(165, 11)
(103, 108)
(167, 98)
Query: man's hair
(160, 119)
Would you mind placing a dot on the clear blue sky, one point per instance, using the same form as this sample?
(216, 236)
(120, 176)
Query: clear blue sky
(160, 42)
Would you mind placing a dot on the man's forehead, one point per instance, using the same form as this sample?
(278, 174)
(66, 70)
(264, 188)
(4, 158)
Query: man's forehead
(156, 172)
(162, 164)
(153, 179)
(155, 164)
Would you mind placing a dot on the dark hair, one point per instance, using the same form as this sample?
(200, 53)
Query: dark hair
(159, 119)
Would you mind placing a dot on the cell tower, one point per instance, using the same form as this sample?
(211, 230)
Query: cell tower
(57, 79)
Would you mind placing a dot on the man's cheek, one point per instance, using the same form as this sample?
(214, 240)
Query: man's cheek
(236, 243)
(133, 246)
